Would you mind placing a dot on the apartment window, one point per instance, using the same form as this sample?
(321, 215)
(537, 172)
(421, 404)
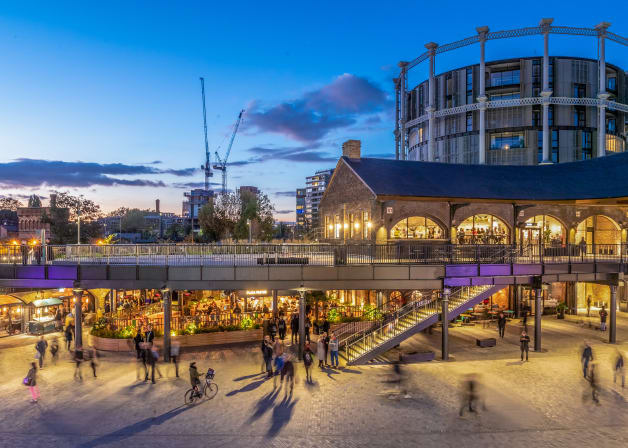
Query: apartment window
(550, 115)
(536, 116)
(579, 116)
(449, 89)
(505, 96)
(611, 125)
(506, 78)
(507, 140)
(587, 145)
(469, 121)
(539, 145)
(579, 90)
(611, 83)
(436, 93)
(469, 86)
(555, 147)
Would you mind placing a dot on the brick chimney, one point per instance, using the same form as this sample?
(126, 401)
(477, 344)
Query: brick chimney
(157, 205)
(351, 149)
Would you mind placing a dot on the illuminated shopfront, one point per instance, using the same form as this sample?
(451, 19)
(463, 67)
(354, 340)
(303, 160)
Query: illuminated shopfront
(542, 229)
(417, 227)
(598, 229)
(482, 229)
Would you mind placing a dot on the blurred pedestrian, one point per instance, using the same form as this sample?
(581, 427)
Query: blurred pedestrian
(78, 359)
(142, 362)
(294, 328)
(308, 360)
(593, 381)
(618, 370)
(470, 395)
(524, 344)
(272, 329)
(587, 356)
(152, 356)
(150, 335)
(138, 339)
(333, 349)
(588, 306)
(288, 372)
(41, 347)
(399, 380)
(93, 359)
(281, 328)
(320, 350)
(175, 348)
(54, 350)
(31, 382)
(308, 324)
(267, 354)
(603, 315)
(501, 324)
(68, 337)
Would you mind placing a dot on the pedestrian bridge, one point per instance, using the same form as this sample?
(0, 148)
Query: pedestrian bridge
(318, 266)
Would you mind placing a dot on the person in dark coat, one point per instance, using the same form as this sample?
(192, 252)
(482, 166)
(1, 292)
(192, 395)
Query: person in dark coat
(272, 329)
(308, 324)
(281, 328)
(603, 315)
(587, 356)
(267, 353)
(325, 325)
(524, 342)
(501, 324)
(31, 382)
(308, 360)
(138, 339)
(618, 370)
(41, 347)
(294, 328)
(150, 335)
(68, 337)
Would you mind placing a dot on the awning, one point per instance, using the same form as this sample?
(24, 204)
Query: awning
(52, 301)
(9, 300)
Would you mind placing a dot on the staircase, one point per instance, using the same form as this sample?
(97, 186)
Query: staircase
(410, 319)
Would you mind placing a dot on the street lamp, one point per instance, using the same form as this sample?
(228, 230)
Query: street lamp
(302, 290)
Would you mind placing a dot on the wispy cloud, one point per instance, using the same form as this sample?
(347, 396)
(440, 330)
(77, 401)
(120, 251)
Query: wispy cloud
(312, 116)
(57, 173)
(288, 194)
(283, 212)
(303, 154)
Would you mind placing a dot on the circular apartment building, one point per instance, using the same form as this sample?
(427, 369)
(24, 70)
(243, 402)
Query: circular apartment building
(519, 111)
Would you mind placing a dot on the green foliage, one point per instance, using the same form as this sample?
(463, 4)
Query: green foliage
(175, 232)
(8, 203)
(346, 319)
(246, 323)
(333, 316)
(133, 221)
(34, 201)
(63, 214)
(102, 331)
(372, 313)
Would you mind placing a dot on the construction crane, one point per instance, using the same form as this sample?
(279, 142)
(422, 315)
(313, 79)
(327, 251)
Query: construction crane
(206, 167)
(222, 163)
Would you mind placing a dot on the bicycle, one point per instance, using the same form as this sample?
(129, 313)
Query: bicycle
(209, 389)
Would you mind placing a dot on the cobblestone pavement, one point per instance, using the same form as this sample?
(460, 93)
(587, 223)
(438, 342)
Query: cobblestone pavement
(544, 402)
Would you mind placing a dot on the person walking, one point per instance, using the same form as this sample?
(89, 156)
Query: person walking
(501, 324)
(142, 362)
(78, 359)
(593, 381)
(308, 324)
(41, 347)
(288, 372)
(267, 353)
(325, 326)
(93, 359)
(54, 350)
(174, 356)
(320, 350)
(308, 360)
(333, 350)
(294, 328)
(278, 354)
(281, 328)
(31, 382)
(524, 342)
(150, 335)
(588, 306)
(138, 339)
(272, 329)
(587, 356)
(619, 369)
(603, 315)
(151, 357)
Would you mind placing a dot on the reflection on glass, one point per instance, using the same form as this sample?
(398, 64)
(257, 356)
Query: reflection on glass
(416, 227)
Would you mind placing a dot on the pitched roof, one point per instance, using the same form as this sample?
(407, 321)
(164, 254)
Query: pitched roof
(599, 178)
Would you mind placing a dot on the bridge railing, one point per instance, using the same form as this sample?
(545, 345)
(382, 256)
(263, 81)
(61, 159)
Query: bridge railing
(311, 254)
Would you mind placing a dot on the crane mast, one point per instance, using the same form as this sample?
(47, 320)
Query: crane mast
(206, 167)
(222, 163)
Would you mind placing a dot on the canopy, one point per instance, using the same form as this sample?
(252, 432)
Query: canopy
(52, 301)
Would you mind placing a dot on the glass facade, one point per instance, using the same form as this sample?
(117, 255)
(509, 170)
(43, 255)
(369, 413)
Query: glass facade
(416, 227)
(507, 140)
(506, 78)
(482, 229)
(542, 228)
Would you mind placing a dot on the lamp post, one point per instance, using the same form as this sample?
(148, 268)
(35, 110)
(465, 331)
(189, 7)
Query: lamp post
(78, 327)
(302, 290)
(167, 306)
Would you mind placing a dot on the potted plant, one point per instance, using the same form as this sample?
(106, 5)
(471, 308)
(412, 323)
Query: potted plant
(560, 310)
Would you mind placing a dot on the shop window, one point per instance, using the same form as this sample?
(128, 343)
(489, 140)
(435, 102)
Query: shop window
(482, 229)
(337, 226)
(542, 228)
(352, 222)
(507, 140)
(599, 230)
(416, 227)
(614, 143)
(329, 227)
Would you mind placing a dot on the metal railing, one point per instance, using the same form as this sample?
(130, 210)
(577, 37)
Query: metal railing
(393, 325)
(311, 254)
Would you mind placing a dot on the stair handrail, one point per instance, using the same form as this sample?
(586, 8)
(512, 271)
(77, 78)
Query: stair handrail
(414, 306)
(354, 327)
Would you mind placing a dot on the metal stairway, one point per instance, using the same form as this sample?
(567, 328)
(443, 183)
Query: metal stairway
(410, 319)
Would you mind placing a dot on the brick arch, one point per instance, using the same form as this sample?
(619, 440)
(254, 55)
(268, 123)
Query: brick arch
(396, 219)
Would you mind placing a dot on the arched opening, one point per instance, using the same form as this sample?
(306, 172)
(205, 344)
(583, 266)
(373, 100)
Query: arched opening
(601, 231)
(482, 229)
(417, 228)
(543, 229)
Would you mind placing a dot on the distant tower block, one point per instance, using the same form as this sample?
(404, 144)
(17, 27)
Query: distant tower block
(157, 205)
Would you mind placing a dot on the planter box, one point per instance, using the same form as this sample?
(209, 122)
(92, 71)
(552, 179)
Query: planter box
(195, 340)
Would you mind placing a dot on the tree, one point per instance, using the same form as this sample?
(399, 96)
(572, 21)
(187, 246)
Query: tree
(8, 203)
(34, 201)
(63, 214)
(89, 210)
(133, 221)
(256, 210)
(175, 232)
(218, 217)
(120, 211)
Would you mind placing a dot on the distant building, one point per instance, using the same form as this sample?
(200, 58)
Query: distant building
(300, 210)
(195, 200)
(314, 189)
(31, 221)
(249, 189)
(110, 224)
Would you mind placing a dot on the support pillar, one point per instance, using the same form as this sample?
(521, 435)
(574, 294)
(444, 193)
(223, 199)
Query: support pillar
(404, 107)
(112, 299)
(602, 95)
(78, 317)
(379, 296)
(546, 93)
(431, 128)
(445, 321)
(538, 312)
(612, 334)
(275, 310)
(167, 305)
(482, 31)
(301, 323)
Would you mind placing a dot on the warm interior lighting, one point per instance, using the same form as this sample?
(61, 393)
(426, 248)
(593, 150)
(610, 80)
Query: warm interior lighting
(346, 226)
(368, 224)
(331, 227)
(357, 225)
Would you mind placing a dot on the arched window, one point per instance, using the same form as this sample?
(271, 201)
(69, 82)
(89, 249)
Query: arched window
(482, 229)
(418, 228)
(545, 229)
(598, 229)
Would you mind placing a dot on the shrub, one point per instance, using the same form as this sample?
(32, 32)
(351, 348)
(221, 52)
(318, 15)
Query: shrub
(333, 316)
(246, 323)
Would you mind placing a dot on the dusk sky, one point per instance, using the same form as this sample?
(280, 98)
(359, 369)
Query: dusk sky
(105, 101)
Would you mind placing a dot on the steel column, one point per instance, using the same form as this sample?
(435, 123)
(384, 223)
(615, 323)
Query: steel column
(167, 305)
(275, 311)
(402, 100)
(612, 334)
(431, 131)
(538, 312)
(445, 321)
(301, 323)
(482, 31)
(602, 95)
(78, 314)
(397, 118)
(546, 93)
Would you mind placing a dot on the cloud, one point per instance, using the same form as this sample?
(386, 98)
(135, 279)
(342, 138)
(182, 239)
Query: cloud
(193, 185)
(312, 116)
(289, 193)
(304, 154)
(57, 173)
(283, 212)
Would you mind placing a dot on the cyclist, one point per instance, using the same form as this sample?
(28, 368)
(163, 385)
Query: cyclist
(195, 378)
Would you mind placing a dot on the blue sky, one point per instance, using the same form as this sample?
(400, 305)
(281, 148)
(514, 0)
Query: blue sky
(105, 101)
